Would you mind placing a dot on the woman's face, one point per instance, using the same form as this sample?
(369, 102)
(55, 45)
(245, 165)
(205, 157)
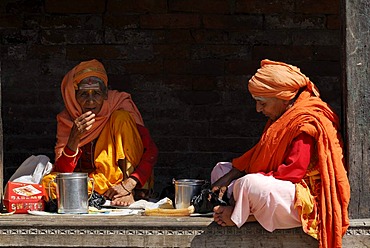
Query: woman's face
(90, 95)
(271, 107)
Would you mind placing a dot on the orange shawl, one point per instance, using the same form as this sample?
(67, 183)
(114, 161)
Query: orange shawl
(311, 115)
(116, 100)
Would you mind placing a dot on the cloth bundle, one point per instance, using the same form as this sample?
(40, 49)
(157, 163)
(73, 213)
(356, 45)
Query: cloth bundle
(206, 201)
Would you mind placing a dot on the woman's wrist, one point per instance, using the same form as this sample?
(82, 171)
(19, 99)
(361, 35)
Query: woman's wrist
(129, 192)
(129, 184)
(69, 152)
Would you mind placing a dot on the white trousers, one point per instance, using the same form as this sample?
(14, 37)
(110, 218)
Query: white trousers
(270, 200)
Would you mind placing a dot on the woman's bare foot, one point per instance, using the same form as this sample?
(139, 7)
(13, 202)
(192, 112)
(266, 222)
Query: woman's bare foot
(126, 200)
(222, 215)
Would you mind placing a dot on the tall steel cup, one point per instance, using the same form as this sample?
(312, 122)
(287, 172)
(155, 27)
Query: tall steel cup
(185, 190)
(72, 193)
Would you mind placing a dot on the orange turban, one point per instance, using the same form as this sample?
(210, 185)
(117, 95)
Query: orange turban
(280, 80)
(91, 68)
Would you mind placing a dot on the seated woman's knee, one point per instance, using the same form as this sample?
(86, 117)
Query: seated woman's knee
(254, 183)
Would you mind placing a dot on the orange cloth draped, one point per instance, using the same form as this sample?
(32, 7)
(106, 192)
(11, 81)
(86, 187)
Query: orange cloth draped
(116, 100)
(311, 115)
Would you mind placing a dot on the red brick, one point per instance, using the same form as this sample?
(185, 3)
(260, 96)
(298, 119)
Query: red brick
(176, 66)
(239, 144)
(263, 37)
(316, 37)
(136, 6)
(17, 37)
(329, 53)
(219, 51)
(131, 36)
(207, 67)
(44, 142)
(144, 67)
(140, 87)
(204, 83)
(204, 6)
(199, 97)
(238, 22)
(19, 7)
(321, 68)
(237, 82)
(170, 21)
(173, 51)
(241, 67)
(208, 36)
(317, 7)
(72, 36)
(179, 36)
(73, 6)
(238, 129)
(13, 96)
(297, 21)
(70, 22)
(121, 22)
(333, 22)
(283, 52)
(180, 127)
(46, 52)
(178, 82)
(85, 52)
(194, 67)
(10, 21)
(265, 7)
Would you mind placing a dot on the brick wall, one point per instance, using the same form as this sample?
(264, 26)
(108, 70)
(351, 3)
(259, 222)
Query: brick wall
(186, 64)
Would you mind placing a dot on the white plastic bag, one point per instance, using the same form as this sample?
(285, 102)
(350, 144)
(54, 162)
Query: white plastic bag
(32, 170)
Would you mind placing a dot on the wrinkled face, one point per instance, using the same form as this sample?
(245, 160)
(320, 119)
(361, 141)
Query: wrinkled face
(91, 94)
(271, 107)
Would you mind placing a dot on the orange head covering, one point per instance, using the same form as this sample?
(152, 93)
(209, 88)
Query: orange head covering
(116, 100)
(280, 80)
(91, 68)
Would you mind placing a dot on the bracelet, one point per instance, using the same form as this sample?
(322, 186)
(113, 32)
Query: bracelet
(128, 192)
(70, 156)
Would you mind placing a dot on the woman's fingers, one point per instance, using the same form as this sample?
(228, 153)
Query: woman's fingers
(215, 188)
(84, 122)
(219, 190)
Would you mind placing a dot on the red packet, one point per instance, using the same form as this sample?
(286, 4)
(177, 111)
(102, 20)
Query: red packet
(21, 197)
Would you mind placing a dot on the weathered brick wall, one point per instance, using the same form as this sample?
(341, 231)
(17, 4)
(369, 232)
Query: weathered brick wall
(186, 64)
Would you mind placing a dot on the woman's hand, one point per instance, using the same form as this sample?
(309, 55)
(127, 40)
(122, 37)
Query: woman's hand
(220, 186)
(122, 194)
(81, 124)
(220, 191)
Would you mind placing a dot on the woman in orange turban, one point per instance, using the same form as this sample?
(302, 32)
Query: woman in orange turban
(101, 132)
(295, 175)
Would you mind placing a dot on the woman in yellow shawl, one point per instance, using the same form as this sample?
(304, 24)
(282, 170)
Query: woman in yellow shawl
(101, 132)
(295, 175)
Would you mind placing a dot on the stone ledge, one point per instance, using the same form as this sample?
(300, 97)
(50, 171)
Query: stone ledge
(149, 231)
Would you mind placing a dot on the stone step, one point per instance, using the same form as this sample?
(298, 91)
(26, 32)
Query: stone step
(23, 230)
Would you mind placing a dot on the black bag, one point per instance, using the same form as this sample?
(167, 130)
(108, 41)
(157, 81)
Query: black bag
(96, 200)
(51, 206)
(206, 201)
